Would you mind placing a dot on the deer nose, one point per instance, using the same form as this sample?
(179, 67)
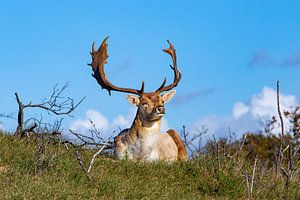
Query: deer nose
(160, 110)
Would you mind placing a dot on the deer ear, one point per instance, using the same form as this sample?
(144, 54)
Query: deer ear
(134, 100)
(168, 96)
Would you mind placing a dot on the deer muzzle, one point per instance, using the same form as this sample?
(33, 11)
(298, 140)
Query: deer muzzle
(160, 110)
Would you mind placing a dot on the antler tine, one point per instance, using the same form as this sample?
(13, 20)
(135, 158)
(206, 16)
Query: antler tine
(93, 48)
(142, 88)
(99, 58)
(177, 74)
(162, 85)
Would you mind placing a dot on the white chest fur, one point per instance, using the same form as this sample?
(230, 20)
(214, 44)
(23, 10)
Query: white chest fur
(145, 147)
(149, 145)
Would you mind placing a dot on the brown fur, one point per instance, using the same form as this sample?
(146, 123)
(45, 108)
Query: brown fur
(182, 154)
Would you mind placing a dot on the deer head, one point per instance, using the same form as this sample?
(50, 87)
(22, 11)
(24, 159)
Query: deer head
(150, 105)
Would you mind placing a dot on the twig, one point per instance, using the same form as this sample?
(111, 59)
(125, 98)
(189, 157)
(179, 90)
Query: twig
(252, 178)
(82, 166)
(280, 152)
(279, 112)
(94, 156)
(296, 151)
(91, 141)
(187, 143)
(248, 187)
(242, 145)
(86, 140)
(56, 104)
(286, 148)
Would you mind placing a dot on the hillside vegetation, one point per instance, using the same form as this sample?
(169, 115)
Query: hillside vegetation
(28, 171)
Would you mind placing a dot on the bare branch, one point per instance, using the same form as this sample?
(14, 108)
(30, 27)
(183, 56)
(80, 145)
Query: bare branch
(94, 156)
(78, 157)
(90, 141)
(252, 178)
(280, 149)
(189, 143)
(57, 104)
(242, 145)
(279, 113)
(85, 140)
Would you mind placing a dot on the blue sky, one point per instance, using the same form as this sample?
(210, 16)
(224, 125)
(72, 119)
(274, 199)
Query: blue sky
(228, 52)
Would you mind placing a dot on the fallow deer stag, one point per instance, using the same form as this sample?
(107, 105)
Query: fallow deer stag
(144, 140)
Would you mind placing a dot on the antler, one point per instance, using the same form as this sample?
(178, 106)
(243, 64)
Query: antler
(99, 58)
(177, 74)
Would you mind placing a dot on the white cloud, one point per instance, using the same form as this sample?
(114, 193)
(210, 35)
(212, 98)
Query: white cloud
(239, 109)
(121, 121)
(265, 104)
(99, 120)
(245, 117)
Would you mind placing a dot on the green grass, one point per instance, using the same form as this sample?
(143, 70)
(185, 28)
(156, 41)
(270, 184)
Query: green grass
(26, 174)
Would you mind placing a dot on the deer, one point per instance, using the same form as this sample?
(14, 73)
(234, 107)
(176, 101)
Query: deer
(143, 140)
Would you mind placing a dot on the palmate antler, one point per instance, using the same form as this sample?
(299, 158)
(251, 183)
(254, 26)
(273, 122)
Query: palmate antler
(99, 58)
(177, 74)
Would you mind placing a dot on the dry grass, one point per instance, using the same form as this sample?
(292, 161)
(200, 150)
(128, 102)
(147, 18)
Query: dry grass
(25, 174)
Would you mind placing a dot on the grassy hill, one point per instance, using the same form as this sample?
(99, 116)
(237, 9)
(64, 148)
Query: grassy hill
(29, 171)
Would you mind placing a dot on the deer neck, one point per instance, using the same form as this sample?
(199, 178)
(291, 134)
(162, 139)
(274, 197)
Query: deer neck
(143, 128)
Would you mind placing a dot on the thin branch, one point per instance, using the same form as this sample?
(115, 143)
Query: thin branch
(94, 157)
(188, 144)
(248, 187)
(279, 113)
(242, 145)
(78, 157)
(280, 150)
(56, 104)
(252, 178)
(89, 141)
